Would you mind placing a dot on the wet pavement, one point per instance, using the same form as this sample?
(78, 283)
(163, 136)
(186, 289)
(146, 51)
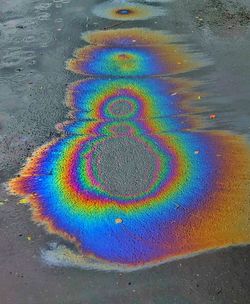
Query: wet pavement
(36, 40)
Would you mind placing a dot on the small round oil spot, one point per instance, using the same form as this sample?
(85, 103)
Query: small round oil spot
(124, 11)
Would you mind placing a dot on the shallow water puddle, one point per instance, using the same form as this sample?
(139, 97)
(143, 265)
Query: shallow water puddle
(134, 181)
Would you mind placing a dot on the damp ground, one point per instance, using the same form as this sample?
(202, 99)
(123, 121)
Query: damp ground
(35, 40)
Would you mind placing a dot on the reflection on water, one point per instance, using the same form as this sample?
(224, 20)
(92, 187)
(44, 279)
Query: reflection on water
(134, 181)
(28, 31)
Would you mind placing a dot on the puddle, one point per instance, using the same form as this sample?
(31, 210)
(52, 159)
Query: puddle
(207, 110)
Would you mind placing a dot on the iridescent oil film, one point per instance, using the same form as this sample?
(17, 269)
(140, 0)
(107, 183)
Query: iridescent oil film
(135, 180)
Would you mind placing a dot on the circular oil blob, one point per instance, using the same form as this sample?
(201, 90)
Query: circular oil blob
(121, 108)
(116, 10)
(124, 11)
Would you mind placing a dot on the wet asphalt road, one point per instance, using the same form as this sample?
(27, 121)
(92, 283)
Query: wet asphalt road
(36, 39)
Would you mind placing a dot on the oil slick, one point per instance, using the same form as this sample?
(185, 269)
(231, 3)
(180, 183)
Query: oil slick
(132, 61)
(128, 37)
(126, 11)
(132, 182)
(134, 53)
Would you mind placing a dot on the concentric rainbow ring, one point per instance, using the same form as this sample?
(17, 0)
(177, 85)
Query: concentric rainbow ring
(131, 61)
(146, 98)
(116, 10)
(187, 196)
(132, 183)
(138, 127)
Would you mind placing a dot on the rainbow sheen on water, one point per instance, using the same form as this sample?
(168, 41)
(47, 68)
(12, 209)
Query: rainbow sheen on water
(131, 182)
(117, 10)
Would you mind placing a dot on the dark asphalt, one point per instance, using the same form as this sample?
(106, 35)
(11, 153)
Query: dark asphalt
(35, 40)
